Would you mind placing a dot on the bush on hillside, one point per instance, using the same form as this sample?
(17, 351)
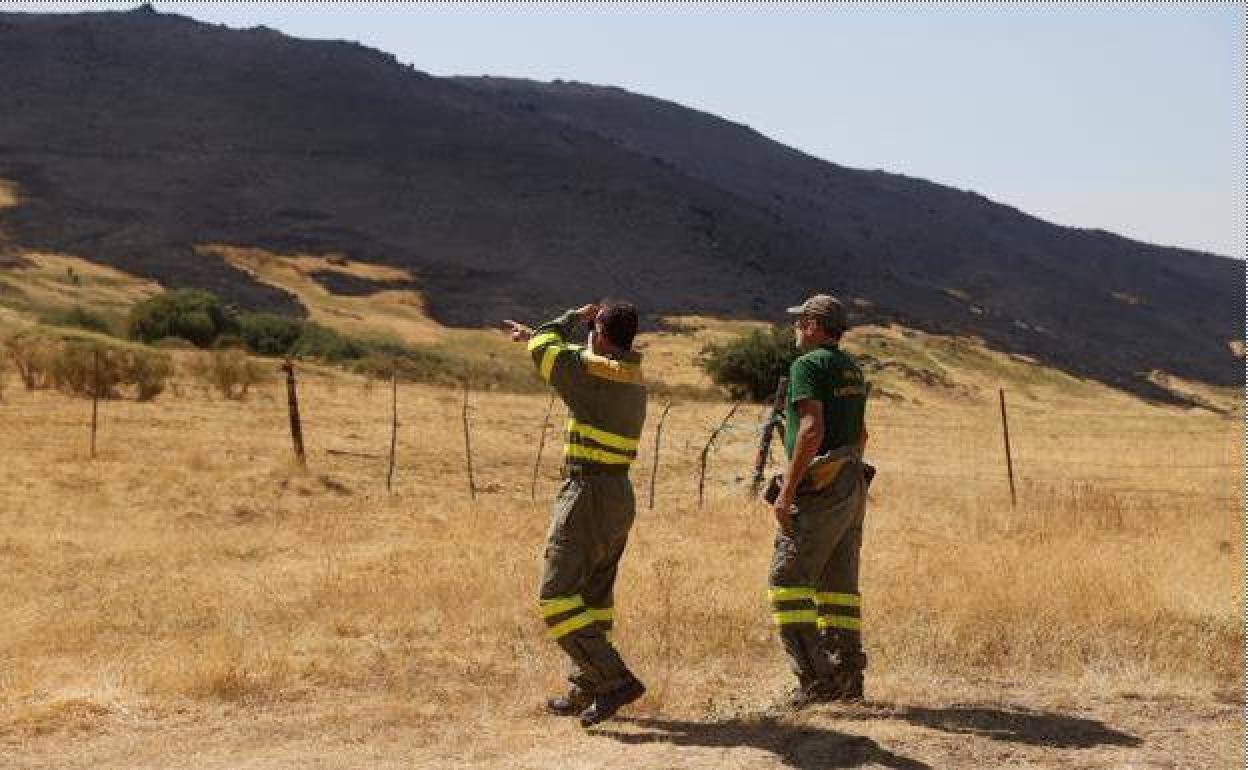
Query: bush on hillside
(321, 342)
(75, 370)
(751, 365)
(192, 314)
(148, 371)
(90, 368)
(231, 371)
(32, 352)
(268, 334)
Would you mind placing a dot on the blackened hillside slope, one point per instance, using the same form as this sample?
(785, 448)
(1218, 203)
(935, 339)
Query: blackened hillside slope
(135, 137)
(1074, 296)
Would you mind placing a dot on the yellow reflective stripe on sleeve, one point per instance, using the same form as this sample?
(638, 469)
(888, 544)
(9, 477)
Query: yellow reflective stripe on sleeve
(542, 340)
(840, 621)
(610, 369)
(795, 616)
(578, 452)
(606, 438)
(548, 362)
(788, 594)
(602, 613)
(562, 604)
(844, 600)
(574, 623)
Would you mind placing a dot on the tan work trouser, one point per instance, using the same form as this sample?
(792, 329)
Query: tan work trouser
(590, 521)
(813, 581)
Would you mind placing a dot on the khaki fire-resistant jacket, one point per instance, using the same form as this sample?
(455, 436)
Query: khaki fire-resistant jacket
(606, 398)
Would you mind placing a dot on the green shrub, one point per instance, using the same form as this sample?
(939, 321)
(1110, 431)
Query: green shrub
(316, 341)
(231, 371)
(752, 364)
(80, 318)
(191, 314)
(269, 334)
(33, 352)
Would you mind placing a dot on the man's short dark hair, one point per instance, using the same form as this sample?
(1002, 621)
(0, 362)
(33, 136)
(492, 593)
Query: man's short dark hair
(619, 322)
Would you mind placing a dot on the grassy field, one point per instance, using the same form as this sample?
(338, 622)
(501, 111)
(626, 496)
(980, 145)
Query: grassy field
(192, 598)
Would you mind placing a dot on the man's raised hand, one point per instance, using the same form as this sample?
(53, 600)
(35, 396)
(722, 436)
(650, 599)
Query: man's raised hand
(519, 332)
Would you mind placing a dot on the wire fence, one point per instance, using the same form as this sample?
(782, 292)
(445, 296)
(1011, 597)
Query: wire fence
(697, 445)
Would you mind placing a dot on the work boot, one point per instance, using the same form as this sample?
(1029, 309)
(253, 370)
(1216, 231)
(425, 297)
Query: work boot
(846, 685)
(844, 651)
(606, 704)
(809, 692)
(574, 702)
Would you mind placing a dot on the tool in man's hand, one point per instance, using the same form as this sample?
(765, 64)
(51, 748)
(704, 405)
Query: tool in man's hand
(764, 436)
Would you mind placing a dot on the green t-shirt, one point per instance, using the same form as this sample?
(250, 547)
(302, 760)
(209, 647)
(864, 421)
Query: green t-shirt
(832, 376)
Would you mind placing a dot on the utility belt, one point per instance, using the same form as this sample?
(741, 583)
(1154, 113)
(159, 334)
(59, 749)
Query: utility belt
(823, 472)
(575, 470)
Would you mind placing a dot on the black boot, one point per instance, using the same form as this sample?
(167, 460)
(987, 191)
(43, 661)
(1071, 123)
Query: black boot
(606, 704)
(574, 702)
(844, 650)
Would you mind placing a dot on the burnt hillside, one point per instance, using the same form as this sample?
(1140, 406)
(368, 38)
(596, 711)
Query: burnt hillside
(136, 136)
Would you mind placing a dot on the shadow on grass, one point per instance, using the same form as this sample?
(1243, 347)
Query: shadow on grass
(807, 746)
(800, 746)
(1017, 725)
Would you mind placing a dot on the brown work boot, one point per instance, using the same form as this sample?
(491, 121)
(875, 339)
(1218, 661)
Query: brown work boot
(574, 702)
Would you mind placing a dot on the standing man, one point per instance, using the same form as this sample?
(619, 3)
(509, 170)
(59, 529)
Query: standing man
(601, 383)
(813, 581)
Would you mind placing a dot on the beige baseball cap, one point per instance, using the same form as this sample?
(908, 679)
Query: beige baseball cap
(826, 307)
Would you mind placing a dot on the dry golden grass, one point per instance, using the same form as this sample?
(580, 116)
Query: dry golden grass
(190, 598)
(397, 313)
(9, 195)
(59, 282)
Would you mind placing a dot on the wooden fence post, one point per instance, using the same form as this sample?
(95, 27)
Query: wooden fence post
(706, 450)
(472, 486)
(658, 434)
(1009, 460)
(292, 402)
(394, 423)
(541, 443)
(95, 396)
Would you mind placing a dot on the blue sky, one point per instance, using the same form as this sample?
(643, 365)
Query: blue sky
(1126, 117)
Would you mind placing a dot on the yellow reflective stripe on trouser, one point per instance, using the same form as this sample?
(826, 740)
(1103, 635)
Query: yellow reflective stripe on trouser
(842, 600)
(603, 613)
(552, 607)
(840, 621)
(600, 436)
(790, 593)
(574, 623)
(795, 616)
(578, 452)
(542, 340)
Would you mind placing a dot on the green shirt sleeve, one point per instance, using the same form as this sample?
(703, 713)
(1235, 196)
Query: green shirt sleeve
(804, 380)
